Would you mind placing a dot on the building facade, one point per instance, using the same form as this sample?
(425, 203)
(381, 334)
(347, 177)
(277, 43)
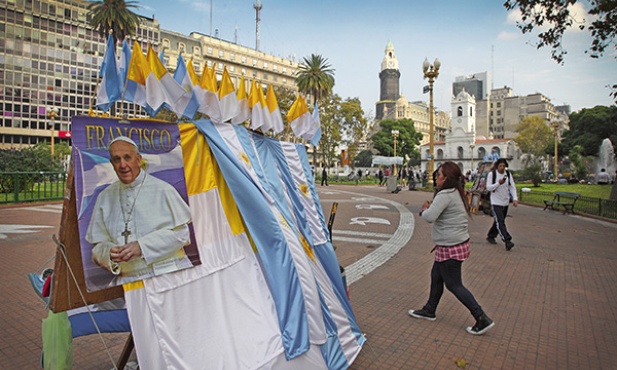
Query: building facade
(50, 59)
(389, 78)
(393, 105)
(463, 146)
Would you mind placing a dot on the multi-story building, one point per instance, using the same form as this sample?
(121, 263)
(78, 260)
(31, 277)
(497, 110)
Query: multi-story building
(239, 60)
(50, 58)
(499, 110)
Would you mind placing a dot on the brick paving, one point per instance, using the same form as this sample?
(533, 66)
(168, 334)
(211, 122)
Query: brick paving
(553, 297)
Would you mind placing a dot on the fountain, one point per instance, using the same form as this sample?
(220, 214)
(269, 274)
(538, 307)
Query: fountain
(606, 158)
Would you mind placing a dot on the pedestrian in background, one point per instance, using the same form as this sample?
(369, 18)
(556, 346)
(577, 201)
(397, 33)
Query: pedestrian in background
(324, 176)
(449, 212)
(500, 185)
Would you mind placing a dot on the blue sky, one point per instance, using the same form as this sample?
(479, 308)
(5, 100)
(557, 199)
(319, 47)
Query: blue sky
(467, 36)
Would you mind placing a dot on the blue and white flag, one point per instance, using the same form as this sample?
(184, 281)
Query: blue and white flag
(110, 88)
(188, 104)
(316, 128)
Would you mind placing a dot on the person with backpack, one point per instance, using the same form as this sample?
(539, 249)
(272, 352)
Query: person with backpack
(500, 185)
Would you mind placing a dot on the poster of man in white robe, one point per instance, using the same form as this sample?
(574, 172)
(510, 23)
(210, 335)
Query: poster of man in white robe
(147, 211)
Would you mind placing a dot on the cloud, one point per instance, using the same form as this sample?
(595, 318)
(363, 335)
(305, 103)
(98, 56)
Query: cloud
(506, 36)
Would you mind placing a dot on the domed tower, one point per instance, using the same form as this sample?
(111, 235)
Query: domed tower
(389, 78)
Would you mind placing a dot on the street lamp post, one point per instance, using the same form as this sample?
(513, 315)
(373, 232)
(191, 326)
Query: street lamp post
(555, 125)
(395, 135)
(53, 114)
(471, 146)
(431, 71)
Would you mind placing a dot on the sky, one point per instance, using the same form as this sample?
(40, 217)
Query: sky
(467, 36)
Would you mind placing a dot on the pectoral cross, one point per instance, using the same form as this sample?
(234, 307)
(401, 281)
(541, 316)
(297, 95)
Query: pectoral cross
(126, 232)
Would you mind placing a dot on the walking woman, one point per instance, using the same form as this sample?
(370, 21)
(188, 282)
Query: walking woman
(449, 214)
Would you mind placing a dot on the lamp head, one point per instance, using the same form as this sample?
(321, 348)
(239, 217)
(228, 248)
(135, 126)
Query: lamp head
(437, 64)
(425, 65)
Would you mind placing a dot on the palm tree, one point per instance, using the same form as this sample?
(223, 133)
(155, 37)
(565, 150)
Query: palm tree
(316, 77)
(115, 16)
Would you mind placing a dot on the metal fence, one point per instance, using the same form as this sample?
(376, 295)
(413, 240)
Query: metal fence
(18, 187)
(587, 205)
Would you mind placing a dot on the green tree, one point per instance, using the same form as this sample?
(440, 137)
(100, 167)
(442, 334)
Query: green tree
(354, 125)
(315, 77)
(577, 161)
(408, 140)
(533, 139)
(554, 18)
(588, 128)
(113, 15)
(365, 158)
(331, 127)
(36, 158)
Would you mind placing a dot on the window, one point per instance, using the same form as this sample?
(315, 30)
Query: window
(470, 111)
(209, 50)
(459, 111)
(459, 152)
(265, 65)
(221, 53)
(232, 56)
(243, 59)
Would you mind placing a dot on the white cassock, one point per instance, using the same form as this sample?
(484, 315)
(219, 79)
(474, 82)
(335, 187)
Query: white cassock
(155, 216)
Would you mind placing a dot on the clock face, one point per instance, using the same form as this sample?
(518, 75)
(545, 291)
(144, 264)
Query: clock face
(460, 120)
(391, 63)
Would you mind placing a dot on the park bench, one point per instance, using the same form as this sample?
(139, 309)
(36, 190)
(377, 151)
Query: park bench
(564, 199)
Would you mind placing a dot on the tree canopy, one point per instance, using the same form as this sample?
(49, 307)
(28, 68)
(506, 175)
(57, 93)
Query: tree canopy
(588, 128)
(315, 77)
(114, 15)
(534, 136)
(408, 138)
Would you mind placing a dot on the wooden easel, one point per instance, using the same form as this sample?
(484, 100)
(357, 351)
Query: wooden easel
(66, 294)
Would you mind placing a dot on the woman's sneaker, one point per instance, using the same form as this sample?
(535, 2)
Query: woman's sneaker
(422, 314)
(482, 325)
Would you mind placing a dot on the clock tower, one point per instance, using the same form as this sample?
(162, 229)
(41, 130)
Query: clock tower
(389, 90)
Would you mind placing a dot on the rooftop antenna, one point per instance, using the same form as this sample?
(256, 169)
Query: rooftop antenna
(210, 18)
(236, 34)
(257, 7)
(492, 65)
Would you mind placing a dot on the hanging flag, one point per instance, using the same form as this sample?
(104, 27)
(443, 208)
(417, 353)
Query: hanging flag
(244, 113)
(299, 117)
(209, 104)
(161, 88)
(316, 130)
(273, 111)
(162, 56)
(188, 103)
(266, 124)
(257, 119)
(110, 88)
(138, 69)
(228, 101)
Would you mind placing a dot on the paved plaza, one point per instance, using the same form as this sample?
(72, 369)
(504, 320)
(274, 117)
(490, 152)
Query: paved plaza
(553, 296)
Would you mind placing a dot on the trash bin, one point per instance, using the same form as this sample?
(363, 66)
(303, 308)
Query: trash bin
(391, 184)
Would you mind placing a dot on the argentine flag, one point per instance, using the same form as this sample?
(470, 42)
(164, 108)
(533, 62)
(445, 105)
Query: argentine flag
(188, 104)
(110, 88)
